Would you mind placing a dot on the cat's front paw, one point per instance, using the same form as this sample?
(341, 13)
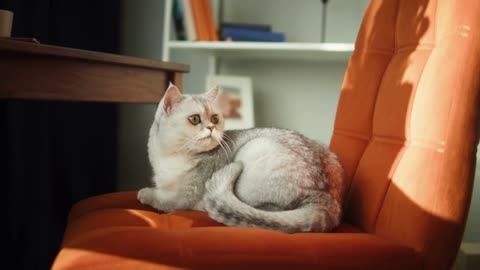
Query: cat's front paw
(145, 196)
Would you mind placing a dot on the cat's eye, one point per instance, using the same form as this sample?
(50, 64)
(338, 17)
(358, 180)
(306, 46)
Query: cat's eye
(214, 119)
(194, 119)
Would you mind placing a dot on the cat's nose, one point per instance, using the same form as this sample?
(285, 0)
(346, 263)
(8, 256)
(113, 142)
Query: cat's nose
(210, 127)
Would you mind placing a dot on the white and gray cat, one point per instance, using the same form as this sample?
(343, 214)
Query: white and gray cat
(263, 177)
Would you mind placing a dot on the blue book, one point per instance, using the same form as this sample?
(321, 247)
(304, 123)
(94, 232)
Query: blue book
(238, 34)
(249, 26)
(178, 20)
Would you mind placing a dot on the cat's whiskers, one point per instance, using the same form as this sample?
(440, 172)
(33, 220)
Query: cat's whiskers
(226, 146)
(225, 136)
(229, 140)
(221, 145)
(220, 140)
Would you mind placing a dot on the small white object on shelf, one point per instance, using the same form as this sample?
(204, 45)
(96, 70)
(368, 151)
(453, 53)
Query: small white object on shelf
(236, 99)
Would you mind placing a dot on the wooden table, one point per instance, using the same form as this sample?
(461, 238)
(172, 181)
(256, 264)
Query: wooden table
(43, 72)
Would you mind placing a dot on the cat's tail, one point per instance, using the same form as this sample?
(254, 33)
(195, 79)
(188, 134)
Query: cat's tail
(223, 206)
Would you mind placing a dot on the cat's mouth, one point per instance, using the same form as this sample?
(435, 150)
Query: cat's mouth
(210, 135)
(206, 137)
(209, 139)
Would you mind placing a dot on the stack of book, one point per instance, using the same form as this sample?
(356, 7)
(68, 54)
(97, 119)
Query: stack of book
(193, 20)
(250, 32)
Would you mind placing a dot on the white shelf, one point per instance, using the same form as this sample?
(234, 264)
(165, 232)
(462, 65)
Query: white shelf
(267, 50)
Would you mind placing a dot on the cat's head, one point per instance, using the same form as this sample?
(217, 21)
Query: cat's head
(187, 123)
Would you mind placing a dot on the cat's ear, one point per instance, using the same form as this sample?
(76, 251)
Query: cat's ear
(212, 94)
(171, 97)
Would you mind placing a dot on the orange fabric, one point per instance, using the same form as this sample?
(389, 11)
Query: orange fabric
(410, 99)
(406, 132)
(112, 230)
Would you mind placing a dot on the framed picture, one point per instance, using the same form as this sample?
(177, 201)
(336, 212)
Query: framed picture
(235, 99)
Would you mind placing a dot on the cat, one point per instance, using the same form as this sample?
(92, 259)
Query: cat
(266, 178)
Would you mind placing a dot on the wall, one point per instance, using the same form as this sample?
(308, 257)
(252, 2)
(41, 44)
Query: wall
(343, 17)
(298, 95)
(141, 37)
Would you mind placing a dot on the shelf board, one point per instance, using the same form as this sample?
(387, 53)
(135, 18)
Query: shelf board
(268, 50)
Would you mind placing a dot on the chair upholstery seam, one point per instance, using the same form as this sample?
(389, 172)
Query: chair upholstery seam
(416, 47)
(407, 140)
(374, 223)
(403, 48)
(407, 122)
(368, 143)
(352, 134)
(429, 144)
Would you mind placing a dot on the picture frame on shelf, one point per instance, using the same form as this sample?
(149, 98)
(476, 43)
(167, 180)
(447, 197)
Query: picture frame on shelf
(236, 100)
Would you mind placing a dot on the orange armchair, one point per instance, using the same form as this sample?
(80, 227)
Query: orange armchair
(406, 131)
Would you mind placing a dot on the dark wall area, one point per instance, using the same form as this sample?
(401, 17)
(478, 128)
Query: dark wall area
(57, 153)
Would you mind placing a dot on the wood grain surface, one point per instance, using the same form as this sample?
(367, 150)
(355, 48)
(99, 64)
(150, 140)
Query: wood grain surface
(35, 71)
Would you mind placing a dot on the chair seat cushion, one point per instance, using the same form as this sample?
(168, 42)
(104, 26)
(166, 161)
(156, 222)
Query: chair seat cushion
(116, 231)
